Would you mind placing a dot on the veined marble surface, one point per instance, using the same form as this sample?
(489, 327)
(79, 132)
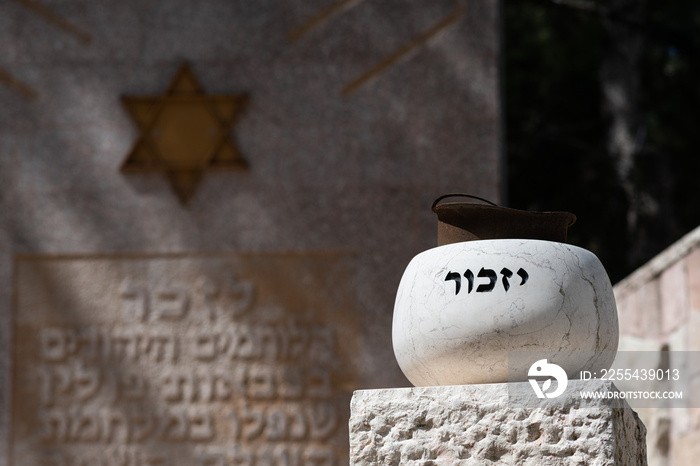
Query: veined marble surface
(462, 308)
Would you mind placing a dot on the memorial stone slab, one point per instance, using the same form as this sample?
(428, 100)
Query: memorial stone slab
(182, 360)
(357, 115)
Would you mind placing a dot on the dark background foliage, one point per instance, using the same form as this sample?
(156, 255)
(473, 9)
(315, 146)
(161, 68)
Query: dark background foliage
(580, 75)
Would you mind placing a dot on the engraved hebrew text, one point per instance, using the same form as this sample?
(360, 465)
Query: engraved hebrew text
(488, 279)
(189, 364)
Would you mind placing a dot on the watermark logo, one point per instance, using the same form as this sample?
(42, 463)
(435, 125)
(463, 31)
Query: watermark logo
(542, 368)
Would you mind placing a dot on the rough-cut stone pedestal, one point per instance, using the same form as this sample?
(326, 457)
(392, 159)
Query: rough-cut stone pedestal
(479, 424)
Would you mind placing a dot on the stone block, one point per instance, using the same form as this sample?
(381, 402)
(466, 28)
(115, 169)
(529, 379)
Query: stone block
(658, 424)
(645, 309)
(627, 316)
(479, 424)
(639, 310)
(649, 309)
(694, 280)
(674, 296)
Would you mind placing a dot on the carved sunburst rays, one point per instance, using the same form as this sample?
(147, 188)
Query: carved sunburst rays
(336, 8)
(15, 84)
(57, 20)
(341, 6)
(12, 81)
(184, 132)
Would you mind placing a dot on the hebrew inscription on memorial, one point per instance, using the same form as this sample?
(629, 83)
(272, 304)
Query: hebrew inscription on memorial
(490, 279)
(240, 359)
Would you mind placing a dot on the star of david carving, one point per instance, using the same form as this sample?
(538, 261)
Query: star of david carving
(184, 133)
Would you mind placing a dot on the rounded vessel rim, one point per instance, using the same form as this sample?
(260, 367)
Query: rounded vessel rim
(475, 243)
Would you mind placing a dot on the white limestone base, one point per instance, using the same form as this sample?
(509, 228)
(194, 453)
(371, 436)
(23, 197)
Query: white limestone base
(478, 424)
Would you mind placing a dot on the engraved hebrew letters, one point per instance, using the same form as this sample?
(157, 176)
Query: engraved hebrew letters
(181, 361)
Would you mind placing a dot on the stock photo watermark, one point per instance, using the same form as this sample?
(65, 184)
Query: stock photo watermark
(643, 379)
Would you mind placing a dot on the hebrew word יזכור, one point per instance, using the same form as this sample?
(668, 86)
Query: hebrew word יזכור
(488, 274)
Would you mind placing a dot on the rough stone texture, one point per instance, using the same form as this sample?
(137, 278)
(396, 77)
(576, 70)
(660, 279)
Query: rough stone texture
(328, 171)
(476, 425)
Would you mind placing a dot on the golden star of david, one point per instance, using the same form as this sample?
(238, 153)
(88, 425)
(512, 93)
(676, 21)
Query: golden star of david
(184, 132)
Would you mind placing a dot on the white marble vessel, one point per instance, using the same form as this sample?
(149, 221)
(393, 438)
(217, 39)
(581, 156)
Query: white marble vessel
(461, 308)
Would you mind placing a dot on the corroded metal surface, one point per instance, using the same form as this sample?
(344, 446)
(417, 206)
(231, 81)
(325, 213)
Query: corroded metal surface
(469, 221)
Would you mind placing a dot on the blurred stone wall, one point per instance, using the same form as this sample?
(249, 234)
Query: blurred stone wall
(358, 115)
(659, 312)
